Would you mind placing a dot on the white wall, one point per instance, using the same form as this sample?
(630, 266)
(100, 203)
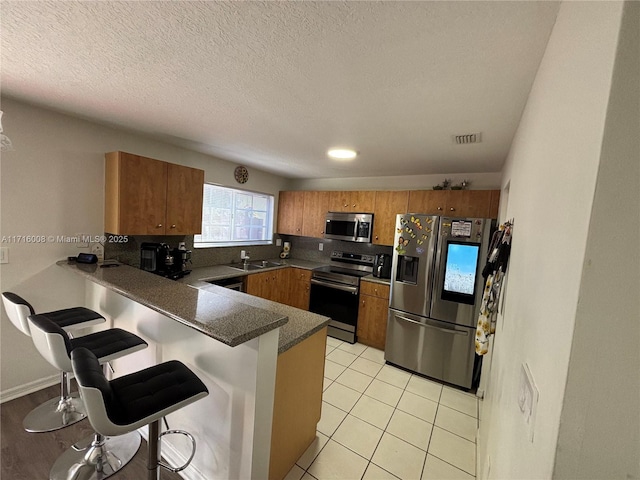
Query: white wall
(600, 425)
(479, 181)
(53, 184)
(551, 172)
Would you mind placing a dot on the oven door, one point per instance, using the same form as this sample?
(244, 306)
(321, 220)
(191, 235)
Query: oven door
(340, 303)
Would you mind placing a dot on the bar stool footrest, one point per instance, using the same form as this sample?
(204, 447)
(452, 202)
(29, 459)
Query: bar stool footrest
(166, 466)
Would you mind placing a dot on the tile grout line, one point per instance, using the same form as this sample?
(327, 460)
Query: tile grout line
(395, 408)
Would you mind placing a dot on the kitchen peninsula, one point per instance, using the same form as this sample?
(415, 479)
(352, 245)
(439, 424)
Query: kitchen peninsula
(263, 363)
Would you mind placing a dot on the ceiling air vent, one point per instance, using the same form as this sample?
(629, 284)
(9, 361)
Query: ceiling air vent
(468, 138)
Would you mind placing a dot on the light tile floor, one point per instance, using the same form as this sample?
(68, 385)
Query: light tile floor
(380, 422)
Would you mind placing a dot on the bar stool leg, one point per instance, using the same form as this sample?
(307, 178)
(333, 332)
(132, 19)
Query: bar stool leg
(153, 456)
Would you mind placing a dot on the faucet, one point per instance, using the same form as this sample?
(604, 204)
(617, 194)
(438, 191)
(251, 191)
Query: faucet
(246, 258)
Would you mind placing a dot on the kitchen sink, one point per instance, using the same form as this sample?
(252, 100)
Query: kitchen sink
(256, 265)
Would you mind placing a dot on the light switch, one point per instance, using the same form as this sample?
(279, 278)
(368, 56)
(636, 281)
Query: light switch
(320, 247)
(4, 254)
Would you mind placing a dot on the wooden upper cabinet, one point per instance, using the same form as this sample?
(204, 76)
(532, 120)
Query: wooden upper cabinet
(184, 200)
(290, 214)
(455, 203)
(316, 206)
(494, 207)
(387, 206)
(355, 201)
(469, 203)
(143, 195)
(431, 202)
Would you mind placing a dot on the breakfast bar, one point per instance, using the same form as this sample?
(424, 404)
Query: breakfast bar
(251, 353)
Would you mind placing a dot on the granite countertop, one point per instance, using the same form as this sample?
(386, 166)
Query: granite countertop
(199, 276)
(226, 315)
(372, 279)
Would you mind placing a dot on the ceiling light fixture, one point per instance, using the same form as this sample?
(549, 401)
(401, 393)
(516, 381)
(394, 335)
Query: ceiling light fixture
(342, 154)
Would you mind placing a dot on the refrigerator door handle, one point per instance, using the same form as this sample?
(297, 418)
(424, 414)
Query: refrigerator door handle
(445, 330)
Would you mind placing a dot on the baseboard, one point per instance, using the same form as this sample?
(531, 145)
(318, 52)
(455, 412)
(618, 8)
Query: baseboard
(27, 388)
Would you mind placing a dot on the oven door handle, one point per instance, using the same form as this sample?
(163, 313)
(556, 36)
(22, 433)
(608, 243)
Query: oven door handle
(345, 288)
(445, 330)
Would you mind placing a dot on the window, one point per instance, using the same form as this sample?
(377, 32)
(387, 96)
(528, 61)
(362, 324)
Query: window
(233, 217)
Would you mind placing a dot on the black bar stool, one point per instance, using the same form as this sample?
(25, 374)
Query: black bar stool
(97, 457)
(67, 409)
(132, 401)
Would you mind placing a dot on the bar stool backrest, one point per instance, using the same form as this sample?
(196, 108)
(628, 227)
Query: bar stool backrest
(51, 341)
(95, 391)
(18, 311)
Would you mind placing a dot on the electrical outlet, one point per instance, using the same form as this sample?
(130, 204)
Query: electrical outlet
(320, 247)
(80, 243)
(243, 254)
(98, 250)
(4, 254)
(278, 242)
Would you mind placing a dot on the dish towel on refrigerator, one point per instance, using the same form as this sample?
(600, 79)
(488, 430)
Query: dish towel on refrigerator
(494, 274)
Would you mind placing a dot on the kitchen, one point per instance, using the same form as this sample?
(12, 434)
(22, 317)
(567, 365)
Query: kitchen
(55, 181)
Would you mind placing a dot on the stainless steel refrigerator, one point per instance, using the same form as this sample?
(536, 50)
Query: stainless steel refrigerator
(436, 291)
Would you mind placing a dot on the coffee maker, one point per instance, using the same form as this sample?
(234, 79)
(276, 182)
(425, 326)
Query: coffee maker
(382, 266)
(161, 259)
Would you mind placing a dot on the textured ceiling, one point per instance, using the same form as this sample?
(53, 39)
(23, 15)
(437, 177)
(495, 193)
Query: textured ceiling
(275, 84)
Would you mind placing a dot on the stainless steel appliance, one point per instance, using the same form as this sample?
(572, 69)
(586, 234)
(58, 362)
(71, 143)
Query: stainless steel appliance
(351, 227)
(436, 291)
(335, 292)
(161, 259)
(382, 266)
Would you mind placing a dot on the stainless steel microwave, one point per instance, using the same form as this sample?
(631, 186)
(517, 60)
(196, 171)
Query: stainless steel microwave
(351, 227)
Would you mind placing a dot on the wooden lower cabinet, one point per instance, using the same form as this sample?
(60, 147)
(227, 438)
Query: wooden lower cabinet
(299, 288)
(272, 285)
(290, 286)
(372, 314)
(297, 402)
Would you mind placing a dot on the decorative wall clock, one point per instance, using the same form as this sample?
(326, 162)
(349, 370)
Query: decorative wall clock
(242, 174)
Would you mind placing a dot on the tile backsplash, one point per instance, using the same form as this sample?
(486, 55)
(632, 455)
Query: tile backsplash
(303, 248)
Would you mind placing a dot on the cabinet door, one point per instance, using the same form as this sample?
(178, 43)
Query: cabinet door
(299, 288)
(469, 203)
(339, 201)
(387, 206)
(184, 200)
(431, 202)
(352, 201)
(495, 204)
(135, 194)
(316, 206)
(277, 289)
(372, 321)
(363, 201)
(255, 284)
(290, 211)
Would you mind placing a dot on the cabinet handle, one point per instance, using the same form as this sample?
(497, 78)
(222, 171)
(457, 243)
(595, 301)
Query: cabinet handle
(440, 209)
(362, 302)
(173, 226)
(354, 205)
(376, 237)
(159, 225)
(452, 209)
(297, 229)
(345, 205)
